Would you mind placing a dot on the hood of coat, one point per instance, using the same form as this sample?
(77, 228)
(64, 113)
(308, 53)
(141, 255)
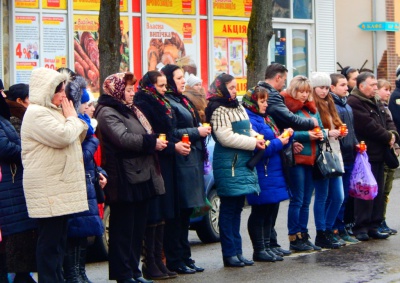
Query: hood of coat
(295, 105)
(42, 85)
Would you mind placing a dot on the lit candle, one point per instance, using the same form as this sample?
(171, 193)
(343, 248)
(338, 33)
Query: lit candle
(162, 137)
(362, 146)
(185, 138)
(260, 137)
(206, 124)
(286, 133)
(343, 129)
(317, 129)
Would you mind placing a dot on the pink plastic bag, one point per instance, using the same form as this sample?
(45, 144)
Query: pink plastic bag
(1, 176)
(362, 182)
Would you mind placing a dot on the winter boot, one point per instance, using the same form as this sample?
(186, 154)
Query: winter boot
(324, 241)
(82, 261)
(297, 244)
(149, 268)
(337, 237)
(271, 252)
(158, 251)
(23, 277)
(256, 234)
(346, 237)
(71, 262)
(306, 239)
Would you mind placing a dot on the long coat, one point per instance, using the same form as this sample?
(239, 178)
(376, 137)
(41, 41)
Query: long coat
(13, 212)
(54, 176)
(128, 154)
(189, 169)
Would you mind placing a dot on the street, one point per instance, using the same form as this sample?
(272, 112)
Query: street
(372, 261)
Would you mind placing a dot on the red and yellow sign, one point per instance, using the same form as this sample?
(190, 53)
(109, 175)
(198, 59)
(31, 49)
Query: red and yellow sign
(230, 29)
(94, 5)
(232, 8)
(180, 7)
(26, 3)
(54, 4)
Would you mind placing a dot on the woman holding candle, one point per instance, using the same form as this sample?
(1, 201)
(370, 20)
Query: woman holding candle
(234, 144)
(150, 99)
(325, 212)
(189, 172)
(265, 206)
(298, 99)
(129, 157)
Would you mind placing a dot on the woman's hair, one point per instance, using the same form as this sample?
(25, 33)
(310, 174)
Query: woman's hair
(384, 83)
(59, 87)
(300, 83)
(130, 78)
(226, 78)
(327, 110)
(153, 75)
(260, 93)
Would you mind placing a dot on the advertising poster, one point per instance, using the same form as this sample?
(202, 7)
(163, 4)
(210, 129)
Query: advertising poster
(180, 7)
(54, 41)
(86, 50)
(26, 46)
(233, 8)
(94, 5)
(26, 3)
(54, 4)
(171, 41)
(230, 51)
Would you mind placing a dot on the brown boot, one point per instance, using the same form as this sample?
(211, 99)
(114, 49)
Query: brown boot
(158, 251)
(149, 268)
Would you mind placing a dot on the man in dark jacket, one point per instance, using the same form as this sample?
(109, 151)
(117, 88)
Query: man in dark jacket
(275, 78)
(378, 131)
(394, 101)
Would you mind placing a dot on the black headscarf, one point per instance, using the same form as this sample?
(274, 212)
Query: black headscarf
(168, 71)
(218, 95)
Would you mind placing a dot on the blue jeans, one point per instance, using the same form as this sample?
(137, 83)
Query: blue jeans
(339, 223)
(229, 225)
(299, 206)
(325, 215)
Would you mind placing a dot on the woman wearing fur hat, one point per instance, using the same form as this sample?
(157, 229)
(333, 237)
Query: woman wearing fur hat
(189, 171)
(150, 99)
(129, 153)
(197, 95)
(298, 99)
(17, 249)
(325, 212)
(54, 178)
(88, 223)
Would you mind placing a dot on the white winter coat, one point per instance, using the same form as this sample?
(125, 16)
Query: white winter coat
(54, 175)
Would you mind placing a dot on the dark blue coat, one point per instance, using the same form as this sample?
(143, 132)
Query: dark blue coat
(13, 212)
(273, 186)
(87, 223)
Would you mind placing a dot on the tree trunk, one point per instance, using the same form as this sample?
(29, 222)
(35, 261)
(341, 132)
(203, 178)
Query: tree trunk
(109, 39)
(259, 33)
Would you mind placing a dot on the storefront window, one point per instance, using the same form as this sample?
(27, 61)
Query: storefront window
(278, 47)
(300, 51)
(302, 9)
(281, 9)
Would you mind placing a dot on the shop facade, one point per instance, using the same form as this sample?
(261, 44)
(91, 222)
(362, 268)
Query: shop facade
(204, 37)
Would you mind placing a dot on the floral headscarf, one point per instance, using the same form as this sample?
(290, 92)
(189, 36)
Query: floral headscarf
(114, 85)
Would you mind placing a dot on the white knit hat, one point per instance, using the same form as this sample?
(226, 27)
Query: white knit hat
(320, 79)
(193, 80)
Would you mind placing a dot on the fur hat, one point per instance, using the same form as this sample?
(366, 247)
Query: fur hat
(193, 80)
(74, 91)
(320, 79)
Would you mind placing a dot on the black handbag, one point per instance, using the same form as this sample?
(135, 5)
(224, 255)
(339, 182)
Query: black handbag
(287, 156)
(390, 158)
(327, 164)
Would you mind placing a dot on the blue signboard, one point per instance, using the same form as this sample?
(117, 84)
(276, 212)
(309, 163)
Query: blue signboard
(379, 26)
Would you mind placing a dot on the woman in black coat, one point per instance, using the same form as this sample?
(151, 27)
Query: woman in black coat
(129, 148)
(156, 107)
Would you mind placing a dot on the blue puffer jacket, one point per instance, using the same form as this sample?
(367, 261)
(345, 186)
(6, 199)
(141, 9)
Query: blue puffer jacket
(87, 223)
(232, 177)
(13, 212)
(272, 182)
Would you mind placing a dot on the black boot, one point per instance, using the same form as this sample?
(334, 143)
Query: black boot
(271, 252)
(297, 244)
(256, 234)
(306, 239)
(71, 262)
(325, 240)
(82, 261)
(149, 267)
(23, 277)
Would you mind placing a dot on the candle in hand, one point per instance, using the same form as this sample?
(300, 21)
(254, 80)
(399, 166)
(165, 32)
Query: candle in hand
(362, 146)
(260, 137)
(185, 138)
(343, 129)
(317, 129)
(162, 137)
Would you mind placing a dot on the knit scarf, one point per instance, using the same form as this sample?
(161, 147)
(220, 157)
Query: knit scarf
(152, 91)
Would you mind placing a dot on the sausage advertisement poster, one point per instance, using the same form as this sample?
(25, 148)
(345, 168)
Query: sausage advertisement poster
(86, 51)
(171, 41)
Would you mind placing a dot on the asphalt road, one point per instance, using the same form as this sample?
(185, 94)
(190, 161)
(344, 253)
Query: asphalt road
(373, 261)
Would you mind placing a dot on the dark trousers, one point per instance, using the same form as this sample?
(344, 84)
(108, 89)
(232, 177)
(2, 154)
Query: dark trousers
(274, 234)
(368, 214)
(229, 225)
(126, 231)
(176, 242)
(51, 246)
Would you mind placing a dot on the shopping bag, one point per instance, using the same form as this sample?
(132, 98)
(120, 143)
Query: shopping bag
(362, 182)
(201, 210)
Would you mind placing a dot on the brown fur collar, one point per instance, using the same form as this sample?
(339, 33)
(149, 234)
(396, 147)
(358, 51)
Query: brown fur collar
(295, 105)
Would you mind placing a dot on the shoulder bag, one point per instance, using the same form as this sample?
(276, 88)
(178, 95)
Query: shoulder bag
(327, 164)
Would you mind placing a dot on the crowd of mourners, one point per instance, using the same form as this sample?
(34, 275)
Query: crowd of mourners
(142, 150)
